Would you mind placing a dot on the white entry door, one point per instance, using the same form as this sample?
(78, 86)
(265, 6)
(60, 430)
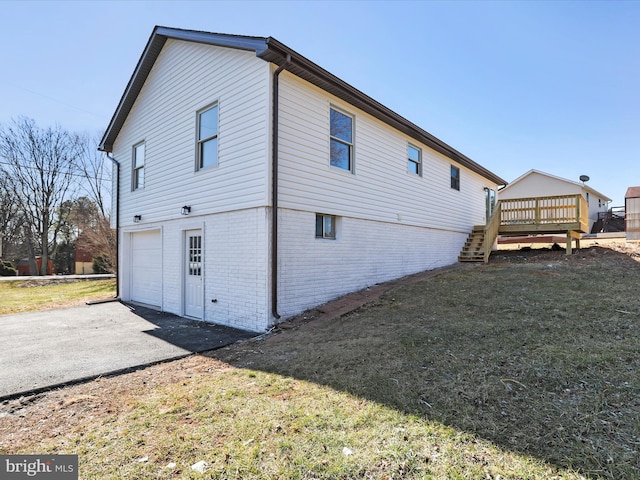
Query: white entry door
(193, 293)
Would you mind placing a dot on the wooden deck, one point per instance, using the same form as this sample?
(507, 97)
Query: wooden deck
(544, 215)
(566, 214)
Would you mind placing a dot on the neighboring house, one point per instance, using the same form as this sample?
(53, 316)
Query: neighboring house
(84, 256)
(535, 183)
(632, 213)
(253, 184)
(24, 268)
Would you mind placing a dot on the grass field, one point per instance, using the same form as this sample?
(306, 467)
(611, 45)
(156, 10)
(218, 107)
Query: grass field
(525, 368)
(29, 295)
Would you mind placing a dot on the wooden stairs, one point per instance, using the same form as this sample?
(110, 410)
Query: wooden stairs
(528, 216)
(473, 250)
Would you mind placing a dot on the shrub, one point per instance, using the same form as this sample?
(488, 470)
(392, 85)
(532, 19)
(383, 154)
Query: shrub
(102, 264)
(7, 269)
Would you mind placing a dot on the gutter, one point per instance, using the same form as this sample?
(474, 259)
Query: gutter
(117, 164)
(274, 189)
(318, 76)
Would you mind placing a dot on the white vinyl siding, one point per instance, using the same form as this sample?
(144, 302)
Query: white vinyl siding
(185, 78)
(536, 185)
(380, 234)
(381, 189)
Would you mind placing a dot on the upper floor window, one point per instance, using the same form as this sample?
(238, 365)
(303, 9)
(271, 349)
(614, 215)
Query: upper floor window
(455, 177)
(341, 132)
(208, 138)
(414, 156)
(138, 166)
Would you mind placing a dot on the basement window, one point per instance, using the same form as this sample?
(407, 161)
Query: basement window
(325, 226)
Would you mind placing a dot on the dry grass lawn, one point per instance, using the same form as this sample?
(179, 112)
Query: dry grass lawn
(21, 296)
(525, 368)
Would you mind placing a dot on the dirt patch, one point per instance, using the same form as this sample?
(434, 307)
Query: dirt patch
(63, 410)
(595, 254)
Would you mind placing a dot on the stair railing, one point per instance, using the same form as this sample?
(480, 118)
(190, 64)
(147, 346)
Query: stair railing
(491, 231)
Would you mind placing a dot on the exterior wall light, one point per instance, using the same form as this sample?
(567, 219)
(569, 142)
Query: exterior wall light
(137, 218)
(186, 210)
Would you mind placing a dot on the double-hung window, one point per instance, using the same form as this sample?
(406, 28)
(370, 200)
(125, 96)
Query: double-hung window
(341, 132)
(138, 166)
(414, 156)
(455, 177)
(208, 138)
(325, 226)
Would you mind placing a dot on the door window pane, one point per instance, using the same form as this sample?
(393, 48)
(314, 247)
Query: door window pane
(195, 255)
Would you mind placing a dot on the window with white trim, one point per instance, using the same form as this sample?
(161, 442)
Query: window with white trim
(325, 226)
(414, 158)
(455, 177)
(341, 132)
(208, 138)
(137, 174)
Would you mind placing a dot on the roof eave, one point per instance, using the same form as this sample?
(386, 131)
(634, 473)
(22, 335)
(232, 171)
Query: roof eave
(273, 51)
(140, 73)
(154, 46)
(306, 69)
(555, 177)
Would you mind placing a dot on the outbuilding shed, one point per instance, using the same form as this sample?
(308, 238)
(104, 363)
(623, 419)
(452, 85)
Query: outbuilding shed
(632, 213)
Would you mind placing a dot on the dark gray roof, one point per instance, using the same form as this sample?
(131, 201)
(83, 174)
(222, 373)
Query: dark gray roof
(271, 50)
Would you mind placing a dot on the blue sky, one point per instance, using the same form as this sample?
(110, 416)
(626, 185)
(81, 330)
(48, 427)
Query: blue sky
(549, 85)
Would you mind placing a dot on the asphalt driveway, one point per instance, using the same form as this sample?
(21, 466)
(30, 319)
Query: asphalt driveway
(41, 350)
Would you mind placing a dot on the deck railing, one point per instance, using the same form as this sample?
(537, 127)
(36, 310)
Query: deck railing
(534, 215)
(545, 213)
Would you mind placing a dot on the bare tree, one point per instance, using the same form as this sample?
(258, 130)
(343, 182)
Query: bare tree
(10, 217)
(41, 167)
(96, 172)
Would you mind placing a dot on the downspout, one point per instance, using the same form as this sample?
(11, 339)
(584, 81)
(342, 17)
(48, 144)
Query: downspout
(117, 164)
(274, 190)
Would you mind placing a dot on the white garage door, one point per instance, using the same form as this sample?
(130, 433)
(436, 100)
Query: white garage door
(146, 267)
